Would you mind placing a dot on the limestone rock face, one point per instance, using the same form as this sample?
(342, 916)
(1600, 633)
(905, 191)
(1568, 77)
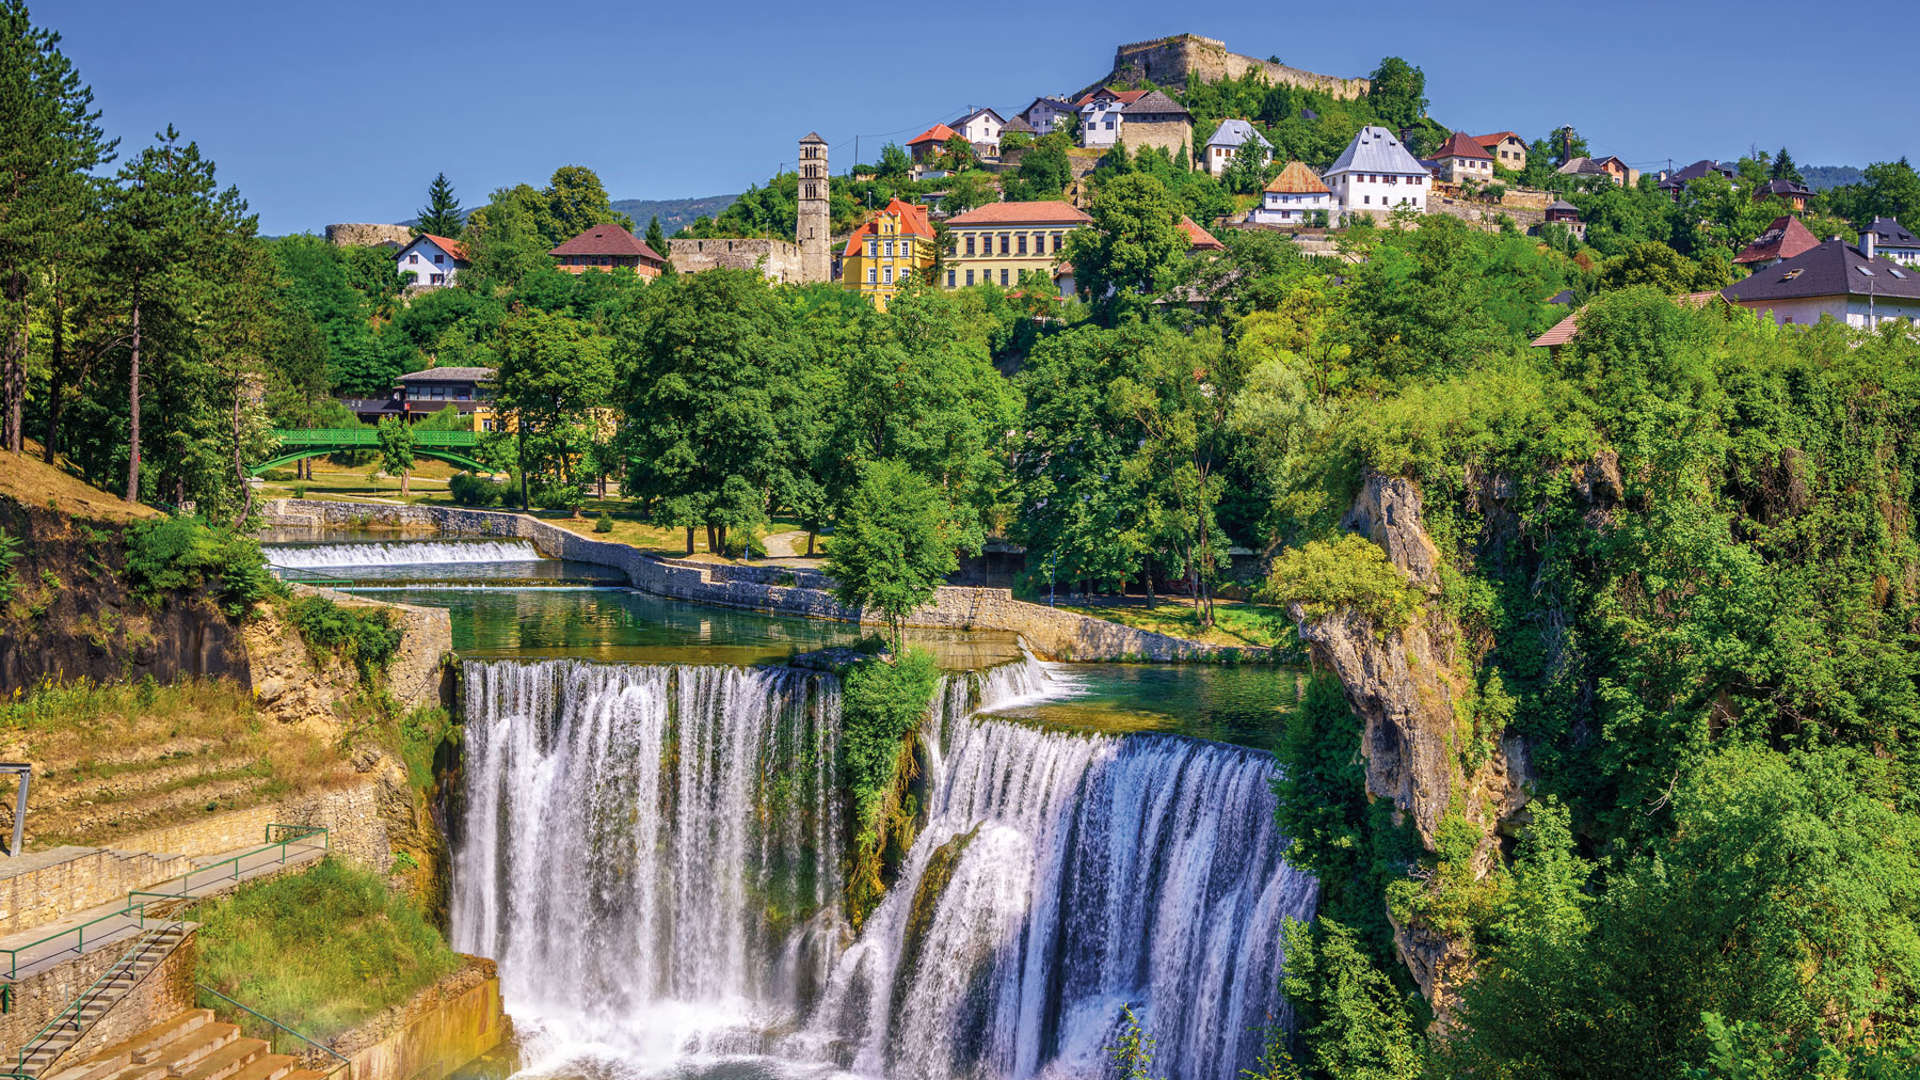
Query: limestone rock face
(1388, 512)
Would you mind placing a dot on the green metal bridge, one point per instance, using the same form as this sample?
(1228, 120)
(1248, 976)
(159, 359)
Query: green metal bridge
(297, 443)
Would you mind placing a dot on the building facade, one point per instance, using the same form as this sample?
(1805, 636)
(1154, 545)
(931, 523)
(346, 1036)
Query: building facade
(1227, 142)
(980, 126)
(431, 262)
(1892, 241)
(1156, 120)
(1509, 151)
(1376, 175)
(812, 231)
(1295, 197)
(1046, 115)
(1100, 111)
(891, 248)
(1460, 159)
(1833, 280)
(994, 244)
(607, 247)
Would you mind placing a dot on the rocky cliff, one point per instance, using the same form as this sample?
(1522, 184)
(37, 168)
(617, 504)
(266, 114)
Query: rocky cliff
(1413, 692)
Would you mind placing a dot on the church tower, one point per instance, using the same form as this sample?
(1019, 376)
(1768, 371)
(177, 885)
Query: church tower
(816, 221)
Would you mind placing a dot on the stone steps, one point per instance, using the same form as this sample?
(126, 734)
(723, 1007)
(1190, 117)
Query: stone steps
(148, 951)
(191, 1046)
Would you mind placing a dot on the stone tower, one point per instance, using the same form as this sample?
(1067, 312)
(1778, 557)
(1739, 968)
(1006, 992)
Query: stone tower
(816, 221)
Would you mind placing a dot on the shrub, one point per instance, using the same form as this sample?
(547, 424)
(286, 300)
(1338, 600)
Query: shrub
(1348, 573)
(472, 489)
(299, 491)
(882, 705)
(9, 553)
(365, 636)
(173, 554)
(603, 523)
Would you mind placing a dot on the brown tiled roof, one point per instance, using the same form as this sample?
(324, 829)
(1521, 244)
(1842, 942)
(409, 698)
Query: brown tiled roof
(1784, 239)
(1297, 179)
(1488, 142)
(1199, 239)
(1124, 97)
(1154, 103)
(1461, 145)
(1051, 212)
(452, 247)
(607, 240)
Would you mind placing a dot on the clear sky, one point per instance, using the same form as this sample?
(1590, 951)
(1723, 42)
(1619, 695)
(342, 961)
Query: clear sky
(343, 110)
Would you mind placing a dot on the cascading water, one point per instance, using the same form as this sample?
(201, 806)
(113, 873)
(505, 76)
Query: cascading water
(399, 553)
(654, 856)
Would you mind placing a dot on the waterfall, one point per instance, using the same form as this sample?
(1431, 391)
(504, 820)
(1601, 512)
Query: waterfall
(654, 856)
(399, 553)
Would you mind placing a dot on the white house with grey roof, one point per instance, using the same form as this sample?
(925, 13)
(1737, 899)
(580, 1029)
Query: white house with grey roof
(1892, 241)
(1227, 141)
(1376, 175)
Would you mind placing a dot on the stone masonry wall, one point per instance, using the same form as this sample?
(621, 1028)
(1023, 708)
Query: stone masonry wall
(443, 1028)
(164, 993)
(365, 235)
(72, 879)
(777, 259)
(1167, 61)
(355, 827)
(1060, 635)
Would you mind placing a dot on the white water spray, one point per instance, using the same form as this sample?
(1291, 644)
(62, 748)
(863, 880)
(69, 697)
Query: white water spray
(399, 553)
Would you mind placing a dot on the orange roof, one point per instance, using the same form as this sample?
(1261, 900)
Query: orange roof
(1199, 239)
(1460, 145)
(1124, 97)
(913, 222)
(939, 133)
(1297, 179)
(1052, 212)
(452, 247)
(1495, 139)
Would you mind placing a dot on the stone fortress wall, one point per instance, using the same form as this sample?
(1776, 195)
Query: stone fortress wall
(1168, 60)
(365, 235)
(777, 259)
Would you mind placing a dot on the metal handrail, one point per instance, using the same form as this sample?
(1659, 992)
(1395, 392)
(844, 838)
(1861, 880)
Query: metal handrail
(344, 1059)
(60, 1018)
(136, 907)
(370, 437)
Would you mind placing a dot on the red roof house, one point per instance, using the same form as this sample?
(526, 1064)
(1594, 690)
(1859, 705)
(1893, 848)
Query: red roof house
(1785, 238)
(604, 247)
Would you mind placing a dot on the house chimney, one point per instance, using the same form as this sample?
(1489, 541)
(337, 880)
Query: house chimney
(1866, 242)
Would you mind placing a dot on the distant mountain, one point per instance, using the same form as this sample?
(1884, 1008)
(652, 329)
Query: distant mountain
(1822, 177)
(672, 213)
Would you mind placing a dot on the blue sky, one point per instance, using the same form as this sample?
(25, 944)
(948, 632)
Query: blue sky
(344, 110)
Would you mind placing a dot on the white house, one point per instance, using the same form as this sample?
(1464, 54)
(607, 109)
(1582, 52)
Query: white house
(1295, 197)
(430, 261)
(1227, 141)
(1892, 241)
(980, 126)
(1100, 114)
(1851, 285)
(1375, 175)
(1046, 114)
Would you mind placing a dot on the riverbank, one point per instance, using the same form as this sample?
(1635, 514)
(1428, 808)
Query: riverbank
(781, 590)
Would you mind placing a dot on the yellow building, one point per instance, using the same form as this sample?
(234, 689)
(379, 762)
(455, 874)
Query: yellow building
(996, 243)
(887, 250)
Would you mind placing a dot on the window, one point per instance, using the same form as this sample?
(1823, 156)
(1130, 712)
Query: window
(1005, 241)
(1058, 238)
(1003, 276)
(950, 279)
(438, 279)
(1864, 270)
(1368, 199)
(1021, 244)
(414, 258)
(1109, 125)
(439, 259)
(889, 249)
(888, 276)
(873, 248)
(871, 274)
(969, 277)
(969, 250)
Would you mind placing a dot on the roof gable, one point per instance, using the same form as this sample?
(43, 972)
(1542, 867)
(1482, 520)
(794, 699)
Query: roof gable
(1489, 142)
(1834, 268)
(608, 239)
(1461, 145)
(977, 114)
(1375, 150)
(1155, 103)
(939, 133)
(1199, 239)
(1889, 232)
(912, 218)
(453, 248)
(1237, 133)
(1785, 238)
(1297, 179)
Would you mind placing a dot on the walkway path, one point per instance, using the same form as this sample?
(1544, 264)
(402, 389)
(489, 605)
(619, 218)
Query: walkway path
(49, 945)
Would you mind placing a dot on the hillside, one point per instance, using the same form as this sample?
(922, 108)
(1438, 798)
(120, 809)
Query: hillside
(673, 213)
(1828, 177)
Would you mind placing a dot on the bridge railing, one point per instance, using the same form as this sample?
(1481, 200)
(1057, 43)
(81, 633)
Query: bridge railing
(371, 437)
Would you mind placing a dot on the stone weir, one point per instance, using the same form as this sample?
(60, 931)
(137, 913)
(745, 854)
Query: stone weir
(778, 590)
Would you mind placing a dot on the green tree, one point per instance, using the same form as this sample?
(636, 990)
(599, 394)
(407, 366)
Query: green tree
(1132, 1051)
(1783, 168)
(575, 201)
(1134, 245)
(1398, 93)
(50, 140)
(396, 451)
(554, 374)
(656, 239)
(507, 240)
(894, 163)
(894, 544)
(442, 215)
(1353, 1023)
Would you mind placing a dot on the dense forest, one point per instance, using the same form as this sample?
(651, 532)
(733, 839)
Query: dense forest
(1676, 555)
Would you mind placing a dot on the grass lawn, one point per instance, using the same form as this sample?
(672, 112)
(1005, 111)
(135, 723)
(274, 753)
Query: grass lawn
(319, 951)
(1236, 622)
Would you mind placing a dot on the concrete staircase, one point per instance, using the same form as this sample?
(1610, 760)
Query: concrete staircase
(191, 1046)
(147, 952)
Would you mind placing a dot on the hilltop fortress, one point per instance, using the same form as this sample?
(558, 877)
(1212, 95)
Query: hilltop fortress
(1167, 61)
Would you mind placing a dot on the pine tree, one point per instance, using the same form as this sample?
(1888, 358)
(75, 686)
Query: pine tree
(49, 140)
(1785, 169)
(657, 237)
(442, 216)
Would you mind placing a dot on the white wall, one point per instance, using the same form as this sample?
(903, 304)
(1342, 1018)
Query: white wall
(1094, 119)
(1282, 208)
(1378, 197)
(1850, 310)
(417, 259)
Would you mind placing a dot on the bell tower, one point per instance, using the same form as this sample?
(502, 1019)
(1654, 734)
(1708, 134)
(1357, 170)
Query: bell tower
(815, 224)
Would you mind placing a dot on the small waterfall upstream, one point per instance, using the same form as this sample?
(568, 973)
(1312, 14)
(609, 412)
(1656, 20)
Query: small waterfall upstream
(399, 553)
(655, 856)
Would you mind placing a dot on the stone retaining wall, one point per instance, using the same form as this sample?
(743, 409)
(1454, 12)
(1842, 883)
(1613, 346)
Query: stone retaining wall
(62, 881)
(443, 1028)
(351, 815)
(1059, 635)
(165, 992)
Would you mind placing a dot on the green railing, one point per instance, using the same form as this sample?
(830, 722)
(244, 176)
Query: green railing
(342, 1060)
(69, 1017)
(370, 437)
(136, 906)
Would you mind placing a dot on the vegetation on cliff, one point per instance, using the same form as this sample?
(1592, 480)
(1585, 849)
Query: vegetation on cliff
(320, 950)
(883, 703)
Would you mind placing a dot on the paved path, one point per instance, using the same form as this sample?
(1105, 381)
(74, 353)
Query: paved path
(49, 945)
